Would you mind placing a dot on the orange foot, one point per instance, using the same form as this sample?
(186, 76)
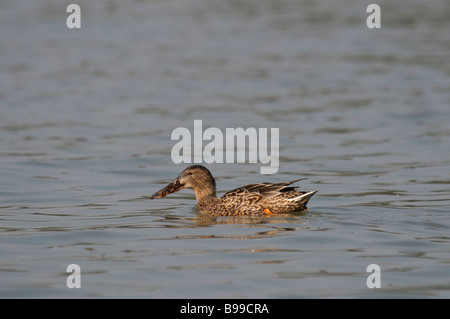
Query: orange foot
(268, 211)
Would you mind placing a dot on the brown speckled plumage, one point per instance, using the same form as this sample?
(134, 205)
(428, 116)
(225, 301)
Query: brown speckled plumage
(263, 198)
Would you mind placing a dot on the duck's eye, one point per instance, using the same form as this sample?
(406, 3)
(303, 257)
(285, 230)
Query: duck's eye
(189, 173)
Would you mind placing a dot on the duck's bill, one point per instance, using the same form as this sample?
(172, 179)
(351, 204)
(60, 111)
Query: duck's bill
(173, 187)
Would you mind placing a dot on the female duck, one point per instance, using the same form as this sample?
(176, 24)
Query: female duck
(264, 198)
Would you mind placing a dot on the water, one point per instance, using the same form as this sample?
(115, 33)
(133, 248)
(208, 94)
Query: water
(85, 124)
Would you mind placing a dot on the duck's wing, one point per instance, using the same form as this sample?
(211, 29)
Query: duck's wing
(264, 189)
(277, 197)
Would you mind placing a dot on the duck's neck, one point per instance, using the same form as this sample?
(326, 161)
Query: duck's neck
(205, 196)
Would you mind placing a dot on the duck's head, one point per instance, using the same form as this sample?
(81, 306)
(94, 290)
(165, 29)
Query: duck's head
(196, 177)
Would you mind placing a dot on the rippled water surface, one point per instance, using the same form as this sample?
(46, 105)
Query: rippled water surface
(85, 131)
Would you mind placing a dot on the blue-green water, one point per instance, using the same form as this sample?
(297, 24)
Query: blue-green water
(85, 126)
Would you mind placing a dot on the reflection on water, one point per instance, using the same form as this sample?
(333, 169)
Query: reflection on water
(85, 124)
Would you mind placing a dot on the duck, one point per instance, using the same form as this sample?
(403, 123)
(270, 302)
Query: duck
(252, 199)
